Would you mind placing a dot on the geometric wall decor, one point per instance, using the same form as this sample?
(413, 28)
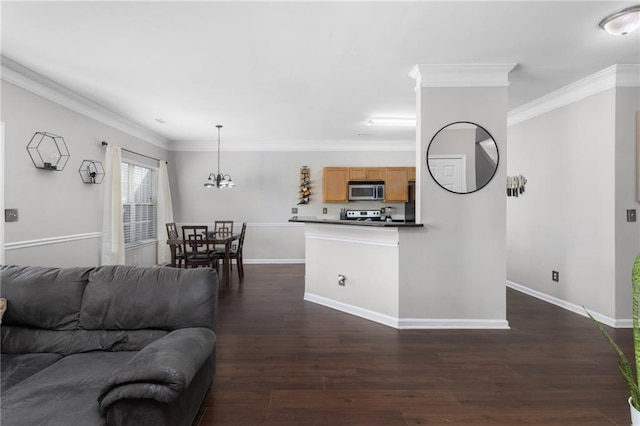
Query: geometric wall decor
(91, 171)
(48, 151)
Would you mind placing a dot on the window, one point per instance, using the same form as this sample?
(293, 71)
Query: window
(139, 208)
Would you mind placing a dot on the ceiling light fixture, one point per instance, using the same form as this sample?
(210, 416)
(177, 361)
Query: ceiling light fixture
(623, 22)
(392, 121)
(219, 180)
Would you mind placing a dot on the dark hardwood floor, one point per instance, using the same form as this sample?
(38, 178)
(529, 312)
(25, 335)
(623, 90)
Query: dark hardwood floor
(283, 361)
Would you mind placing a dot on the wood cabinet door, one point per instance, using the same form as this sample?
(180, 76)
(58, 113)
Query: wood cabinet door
(366, 173)
(335, 184)
(396, 188)
(357, 173)
(412, 174)
(375, 173)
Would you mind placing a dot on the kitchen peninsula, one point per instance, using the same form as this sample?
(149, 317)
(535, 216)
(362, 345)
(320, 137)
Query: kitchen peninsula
(357, 266)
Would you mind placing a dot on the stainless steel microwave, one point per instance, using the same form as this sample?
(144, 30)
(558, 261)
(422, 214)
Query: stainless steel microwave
(366, 191)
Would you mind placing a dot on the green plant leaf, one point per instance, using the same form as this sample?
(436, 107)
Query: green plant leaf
(632, 380)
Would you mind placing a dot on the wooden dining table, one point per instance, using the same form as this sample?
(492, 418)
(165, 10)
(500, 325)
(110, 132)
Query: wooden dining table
(214, 239)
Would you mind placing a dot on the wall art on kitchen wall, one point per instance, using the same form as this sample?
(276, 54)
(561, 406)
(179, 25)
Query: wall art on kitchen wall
(304, 194)
(515, 185)
(48, 151)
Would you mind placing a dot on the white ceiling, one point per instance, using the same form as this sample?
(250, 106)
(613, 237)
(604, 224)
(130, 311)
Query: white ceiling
(298, 72)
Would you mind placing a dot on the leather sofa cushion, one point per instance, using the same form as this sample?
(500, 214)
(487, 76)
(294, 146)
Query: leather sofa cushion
(131, 298)
(65, 393)
(59, 293)
(17, 340)
(14, 368)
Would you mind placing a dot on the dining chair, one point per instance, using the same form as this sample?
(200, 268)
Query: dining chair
(222, 229)
(197, 248)
(237, 254)
(176, 249)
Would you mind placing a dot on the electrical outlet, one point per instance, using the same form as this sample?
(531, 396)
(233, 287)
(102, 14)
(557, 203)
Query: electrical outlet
(555, 276)
(341, 280)
(294, 210)
(631, 215)
(10, 215)
(324, 210)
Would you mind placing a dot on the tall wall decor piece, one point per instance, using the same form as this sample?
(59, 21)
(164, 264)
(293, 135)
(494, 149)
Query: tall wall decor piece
(304, 195)
(515, 185)
(91, 171)
(48, 151)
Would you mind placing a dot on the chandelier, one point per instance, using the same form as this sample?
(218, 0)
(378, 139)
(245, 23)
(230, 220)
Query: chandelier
(219, 180)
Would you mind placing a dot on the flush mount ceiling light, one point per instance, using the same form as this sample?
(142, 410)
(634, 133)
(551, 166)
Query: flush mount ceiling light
(219, 180)
(623, 22)
(392, 121)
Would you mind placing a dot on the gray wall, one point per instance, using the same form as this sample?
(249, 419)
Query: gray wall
(60, 218)
(579, 161)
(266, 189)
(455, 267)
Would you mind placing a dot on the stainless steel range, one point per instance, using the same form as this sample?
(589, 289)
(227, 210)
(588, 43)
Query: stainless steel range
(363, 214)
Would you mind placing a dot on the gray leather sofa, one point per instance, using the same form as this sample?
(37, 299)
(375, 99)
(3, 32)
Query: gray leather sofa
(114, 345)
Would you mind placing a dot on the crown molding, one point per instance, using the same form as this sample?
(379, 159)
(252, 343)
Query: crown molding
(25, 78)
(621, 75)
(306, 146)
(462, 75)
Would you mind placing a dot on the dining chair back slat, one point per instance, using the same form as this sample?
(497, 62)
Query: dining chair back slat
(223, 228)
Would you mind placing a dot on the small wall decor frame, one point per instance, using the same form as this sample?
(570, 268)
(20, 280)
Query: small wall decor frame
(91, 171)
(515, 185)
(304, 195)
(48, 151)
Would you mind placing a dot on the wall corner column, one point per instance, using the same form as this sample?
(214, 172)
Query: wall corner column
(456, 269)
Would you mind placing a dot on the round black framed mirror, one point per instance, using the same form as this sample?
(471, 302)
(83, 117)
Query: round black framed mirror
(462, 157)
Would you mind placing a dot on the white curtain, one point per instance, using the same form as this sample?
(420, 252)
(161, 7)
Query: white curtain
(112, 226)
(165, 213)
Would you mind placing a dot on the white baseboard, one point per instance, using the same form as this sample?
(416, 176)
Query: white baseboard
(406, 323)
(453, 324)
(274, 261)
(353, 310)
(604, 319)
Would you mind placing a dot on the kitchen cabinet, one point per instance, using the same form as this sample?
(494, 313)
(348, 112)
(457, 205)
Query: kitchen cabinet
(366, 173)
(396, 188)
(335, 181)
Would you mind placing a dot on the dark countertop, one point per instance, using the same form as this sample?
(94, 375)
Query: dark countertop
(374, 223)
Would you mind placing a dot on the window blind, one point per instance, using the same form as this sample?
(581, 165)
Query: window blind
(139, 207)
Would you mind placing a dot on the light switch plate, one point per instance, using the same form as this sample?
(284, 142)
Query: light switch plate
(10, 215)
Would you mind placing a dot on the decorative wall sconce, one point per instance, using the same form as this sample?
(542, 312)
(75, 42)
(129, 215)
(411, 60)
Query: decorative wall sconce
(48, 151)
(305, 188)
(515, 185)
(91, 171)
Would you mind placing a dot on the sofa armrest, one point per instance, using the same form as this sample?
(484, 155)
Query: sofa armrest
(162, 369)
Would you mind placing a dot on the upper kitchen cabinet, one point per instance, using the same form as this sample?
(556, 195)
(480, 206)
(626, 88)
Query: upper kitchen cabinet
(335, 184)
(366, 173)
(396, 188)
(412, 174)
